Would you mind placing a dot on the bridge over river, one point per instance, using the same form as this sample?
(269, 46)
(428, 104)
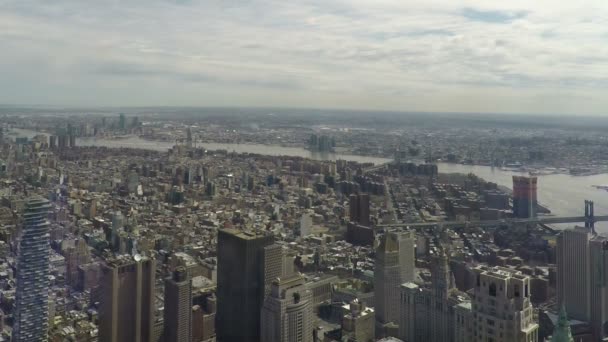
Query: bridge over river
(589, 219)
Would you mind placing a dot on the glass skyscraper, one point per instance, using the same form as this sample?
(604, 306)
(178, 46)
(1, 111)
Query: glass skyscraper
(31, 304)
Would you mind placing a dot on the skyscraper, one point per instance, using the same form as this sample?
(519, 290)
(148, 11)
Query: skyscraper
(524, 196)
(387, 278)
(582, 277)
(240, 284)
(31, 302)
(287, 314)
(178, 307)
(126, 312)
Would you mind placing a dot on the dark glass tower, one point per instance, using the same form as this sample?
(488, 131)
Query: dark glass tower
(240, 284)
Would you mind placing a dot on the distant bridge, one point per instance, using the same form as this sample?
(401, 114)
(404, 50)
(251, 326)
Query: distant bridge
(589, 219)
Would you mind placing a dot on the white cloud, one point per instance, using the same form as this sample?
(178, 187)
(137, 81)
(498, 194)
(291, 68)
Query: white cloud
(496, 56)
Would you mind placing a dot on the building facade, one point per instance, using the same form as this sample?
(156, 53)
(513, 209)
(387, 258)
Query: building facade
(32, 295)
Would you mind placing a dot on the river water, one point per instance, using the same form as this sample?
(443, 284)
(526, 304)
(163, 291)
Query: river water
(563, 194)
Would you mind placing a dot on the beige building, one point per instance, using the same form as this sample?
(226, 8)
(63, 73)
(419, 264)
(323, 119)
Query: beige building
(287, 313)
(126, 312)
(501, 310)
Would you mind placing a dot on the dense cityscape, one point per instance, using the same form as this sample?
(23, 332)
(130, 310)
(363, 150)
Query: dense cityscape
(128, 227)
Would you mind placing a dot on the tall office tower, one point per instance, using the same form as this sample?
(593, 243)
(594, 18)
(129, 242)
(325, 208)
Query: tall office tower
(52, 142)
(287, 314)
(387, 278)
(72, 140)
(126, 312)
(240, 284)
(359, 209)
(272, 266)
(32, 295)
(407, 256)
(178, 307)
(573, 272)
(502, 306)
(524, 196)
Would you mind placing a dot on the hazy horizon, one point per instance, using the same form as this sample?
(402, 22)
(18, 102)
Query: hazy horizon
(517, 57)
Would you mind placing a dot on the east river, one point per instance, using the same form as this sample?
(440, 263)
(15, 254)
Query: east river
(563, 194)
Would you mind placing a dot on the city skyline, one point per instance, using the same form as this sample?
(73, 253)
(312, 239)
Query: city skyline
(466, 56)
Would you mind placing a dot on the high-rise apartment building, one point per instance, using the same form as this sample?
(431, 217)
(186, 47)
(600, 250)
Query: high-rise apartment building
(287, 314)
(501, 308)
(524, 196)
(240, 284)
(126, 312)
(178, 307)
(32, 295)
(387, 278)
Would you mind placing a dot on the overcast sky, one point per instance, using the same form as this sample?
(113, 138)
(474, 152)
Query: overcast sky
(532, 56)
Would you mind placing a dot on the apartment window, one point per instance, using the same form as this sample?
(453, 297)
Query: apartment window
(492, 290)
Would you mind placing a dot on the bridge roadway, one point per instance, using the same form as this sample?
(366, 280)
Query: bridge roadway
(490, 223)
